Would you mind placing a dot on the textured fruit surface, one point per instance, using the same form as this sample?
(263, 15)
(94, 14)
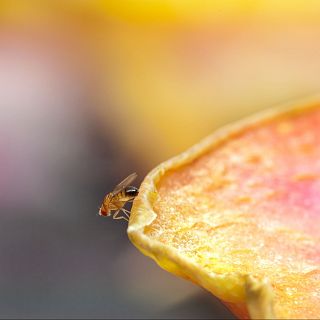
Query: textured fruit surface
(245, 202)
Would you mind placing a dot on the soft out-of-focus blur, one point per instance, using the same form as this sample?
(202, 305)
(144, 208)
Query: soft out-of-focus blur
(91, 91)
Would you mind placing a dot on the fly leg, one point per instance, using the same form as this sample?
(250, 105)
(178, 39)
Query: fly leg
(120, 207)
(126, 212)
(115, 216)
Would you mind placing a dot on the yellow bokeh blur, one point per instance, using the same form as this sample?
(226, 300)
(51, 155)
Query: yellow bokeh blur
(172, 71)
(183, 68)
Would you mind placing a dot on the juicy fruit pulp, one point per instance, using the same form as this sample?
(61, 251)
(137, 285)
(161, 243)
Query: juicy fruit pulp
(247, 204)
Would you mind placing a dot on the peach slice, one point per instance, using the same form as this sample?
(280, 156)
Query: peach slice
(239, 214)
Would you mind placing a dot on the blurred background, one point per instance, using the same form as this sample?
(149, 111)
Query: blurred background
(91, 91)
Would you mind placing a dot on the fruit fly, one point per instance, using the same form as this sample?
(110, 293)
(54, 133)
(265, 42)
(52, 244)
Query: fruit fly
(116, 200)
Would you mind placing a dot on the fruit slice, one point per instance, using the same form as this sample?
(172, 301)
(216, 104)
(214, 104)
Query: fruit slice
(239, 214)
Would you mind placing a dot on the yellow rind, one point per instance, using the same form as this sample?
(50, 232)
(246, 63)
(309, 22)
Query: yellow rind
(230, 287)
(259, 298)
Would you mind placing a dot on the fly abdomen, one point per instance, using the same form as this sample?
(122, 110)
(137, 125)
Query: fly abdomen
(131, 191)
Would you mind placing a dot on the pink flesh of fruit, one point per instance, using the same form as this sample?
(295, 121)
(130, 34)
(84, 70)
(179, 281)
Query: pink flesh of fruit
(260, 190)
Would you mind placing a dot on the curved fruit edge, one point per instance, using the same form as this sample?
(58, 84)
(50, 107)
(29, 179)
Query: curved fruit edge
(230, 287)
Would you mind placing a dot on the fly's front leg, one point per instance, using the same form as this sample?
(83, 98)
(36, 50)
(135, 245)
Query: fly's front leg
(115, 216)
(126, 212)
(120, 207)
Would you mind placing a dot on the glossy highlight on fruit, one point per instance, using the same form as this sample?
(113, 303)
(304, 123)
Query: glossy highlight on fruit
(239, 214)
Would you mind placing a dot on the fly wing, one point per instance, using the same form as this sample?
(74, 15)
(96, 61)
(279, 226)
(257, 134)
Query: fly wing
(124, 183)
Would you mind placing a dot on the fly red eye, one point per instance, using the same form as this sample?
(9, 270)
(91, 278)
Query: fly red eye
(103, 212)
